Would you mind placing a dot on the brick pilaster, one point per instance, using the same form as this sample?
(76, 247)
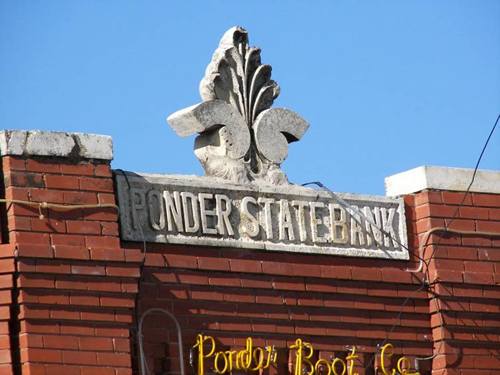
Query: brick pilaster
(73, 287)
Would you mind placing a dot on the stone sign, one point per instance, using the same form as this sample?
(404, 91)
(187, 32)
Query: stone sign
(214, 212)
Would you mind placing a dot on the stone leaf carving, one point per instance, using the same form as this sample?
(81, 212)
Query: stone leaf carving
(241, 138)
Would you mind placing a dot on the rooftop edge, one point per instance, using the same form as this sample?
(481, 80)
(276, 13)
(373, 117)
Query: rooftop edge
(58, 144)
(442, 178)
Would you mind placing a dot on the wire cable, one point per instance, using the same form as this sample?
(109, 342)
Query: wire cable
(457, 210)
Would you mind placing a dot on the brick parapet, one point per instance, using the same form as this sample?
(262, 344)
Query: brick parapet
(463, 272)
(74, 287)
(68, 285)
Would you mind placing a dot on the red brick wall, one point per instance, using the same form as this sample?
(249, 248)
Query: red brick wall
(465, 278)
(73, 285)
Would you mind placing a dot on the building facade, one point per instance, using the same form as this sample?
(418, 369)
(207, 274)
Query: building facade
(73, 289)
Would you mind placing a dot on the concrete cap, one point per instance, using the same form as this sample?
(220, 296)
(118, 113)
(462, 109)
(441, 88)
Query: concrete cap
(442, 178)
(61, 144)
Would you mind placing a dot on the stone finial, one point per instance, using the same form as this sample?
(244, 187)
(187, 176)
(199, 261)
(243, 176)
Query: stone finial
(241, 138)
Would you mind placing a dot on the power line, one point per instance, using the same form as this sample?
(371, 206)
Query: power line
(421, 258)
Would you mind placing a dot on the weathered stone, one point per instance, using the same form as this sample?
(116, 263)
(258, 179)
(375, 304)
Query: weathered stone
(442, 178)
(93, 146)
(12, 142)
(60, 144)
(203, 117)
(210, 211)
(274, 129)
(49, 144)
(243, 140)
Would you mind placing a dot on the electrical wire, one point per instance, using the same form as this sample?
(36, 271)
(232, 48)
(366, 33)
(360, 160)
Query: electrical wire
(457, 210)
(423, 247)
(58, 206)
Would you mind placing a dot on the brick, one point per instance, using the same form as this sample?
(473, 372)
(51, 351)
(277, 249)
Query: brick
(62, 182)
(45, 166)
(54, 299)
(117, 302)
(336, 272)
(97, 371)
(32, 238)
(79, 197)
(486, 200)
(277, 268)
(479, 278)
(370, 274)
(459, 224)
(84, 300)
(154, 260)
(11, 163)
(100, 213)
(181, 261)
(5, 297)
(114, 359)
(451, 197)
(48, 225)
(103, 170)
(32, 250)
(121, 345)
(212, 263)
(206, 295)
(41, 355)
(229, 280)
(82, 169)
(5, 281)
(83, 227)
(53, 267)
(245, 265)
(68, 239)
(19, 223)
(106, 198)
(71, 284)
(60, 370)
(60, 342)
(64, 314)
(474, 212)
(18, 193)
(24, 179)
(107, 254)
(71, 252)
(445, 275)
(79, 357)
(88, 270)
(449, 264)
(30, 341)
(18, 209)
(109, 229)
(122, 271)
(478, 267)
(102, 241)
(460, 252)
(96, 184)
(44, 195)
(427, 197)
(98, 316)
(488, 226)
(96, 343)
(77, 330)
(494, 213)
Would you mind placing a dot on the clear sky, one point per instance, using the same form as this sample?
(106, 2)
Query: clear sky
(386, 85)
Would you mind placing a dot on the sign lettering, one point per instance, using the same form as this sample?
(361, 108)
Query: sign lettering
(204, 211)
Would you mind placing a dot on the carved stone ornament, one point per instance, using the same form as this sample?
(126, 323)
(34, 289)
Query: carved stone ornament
(241, 138)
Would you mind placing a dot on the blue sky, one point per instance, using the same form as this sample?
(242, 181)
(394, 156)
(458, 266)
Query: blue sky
(386, 85)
